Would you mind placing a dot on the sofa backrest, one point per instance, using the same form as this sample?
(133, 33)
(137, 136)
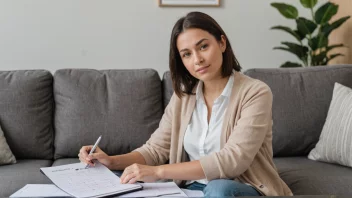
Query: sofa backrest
(124, 106)
(26, 109)
(301, 99)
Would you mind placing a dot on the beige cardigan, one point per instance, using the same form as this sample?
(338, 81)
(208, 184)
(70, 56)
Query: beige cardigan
(246, 139)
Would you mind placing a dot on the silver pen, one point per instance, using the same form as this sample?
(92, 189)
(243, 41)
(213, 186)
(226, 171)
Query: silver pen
(94, 147)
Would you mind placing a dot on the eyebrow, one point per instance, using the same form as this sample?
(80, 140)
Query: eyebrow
(199, 42)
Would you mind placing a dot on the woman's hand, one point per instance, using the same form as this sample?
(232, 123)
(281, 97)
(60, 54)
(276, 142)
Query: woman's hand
(99, 155)
(138, 172)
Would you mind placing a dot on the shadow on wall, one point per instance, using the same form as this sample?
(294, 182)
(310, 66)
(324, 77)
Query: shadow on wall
(343, 34)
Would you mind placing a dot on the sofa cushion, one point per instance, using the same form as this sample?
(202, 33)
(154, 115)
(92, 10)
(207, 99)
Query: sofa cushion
(334, 144)
(6, 156)
(301, 98)
(64, 161)
(15, 176)
(26, 112)
(308, 177)
(124, 106)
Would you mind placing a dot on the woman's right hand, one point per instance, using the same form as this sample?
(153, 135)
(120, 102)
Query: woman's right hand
(99, 155)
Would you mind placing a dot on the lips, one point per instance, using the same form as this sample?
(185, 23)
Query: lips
(200, 69)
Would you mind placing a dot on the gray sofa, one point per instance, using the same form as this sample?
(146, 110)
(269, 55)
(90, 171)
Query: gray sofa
(47, 118)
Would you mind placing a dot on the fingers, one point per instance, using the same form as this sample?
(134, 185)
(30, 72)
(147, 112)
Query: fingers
(124, 174)
(131, 174)
(128, 177)
(84, 151)
(133, 180)
(98, 150)
(83, 155)
(83, 160)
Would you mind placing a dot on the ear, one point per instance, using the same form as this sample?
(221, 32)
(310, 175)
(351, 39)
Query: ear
(223, 43)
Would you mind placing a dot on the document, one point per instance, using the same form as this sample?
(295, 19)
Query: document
(74, 180)
(169, 189)
(157, 190)
(96, 181)
(193, 193)
(40, 190)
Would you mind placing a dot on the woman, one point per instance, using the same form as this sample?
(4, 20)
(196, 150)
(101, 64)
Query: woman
(216, 131)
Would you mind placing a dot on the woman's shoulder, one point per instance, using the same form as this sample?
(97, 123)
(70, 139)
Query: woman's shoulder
(248, 83)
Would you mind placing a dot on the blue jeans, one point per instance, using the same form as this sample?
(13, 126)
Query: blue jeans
(223, 187)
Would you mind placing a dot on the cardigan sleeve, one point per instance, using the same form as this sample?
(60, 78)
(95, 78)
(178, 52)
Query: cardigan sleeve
(246, 138)
(156, 150)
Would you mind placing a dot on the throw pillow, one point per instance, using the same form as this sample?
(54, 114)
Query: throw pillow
(6, 156)
(334, 144)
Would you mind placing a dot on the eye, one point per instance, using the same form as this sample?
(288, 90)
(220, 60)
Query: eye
(187, 54)
(204, 46)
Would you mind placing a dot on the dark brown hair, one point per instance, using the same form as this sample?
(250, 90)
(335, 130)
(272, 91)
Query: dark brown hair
(183, 81)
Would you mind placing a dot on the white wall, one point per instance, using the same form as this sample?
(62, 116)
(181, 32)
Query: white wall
(122, 34)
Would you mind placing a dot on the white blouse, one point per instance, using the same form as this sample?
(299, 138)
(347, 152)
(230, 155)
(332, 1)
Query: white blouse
(203, 138)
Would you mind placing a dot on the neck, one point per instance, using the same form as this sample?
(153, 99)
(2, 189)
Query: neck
(214, 87)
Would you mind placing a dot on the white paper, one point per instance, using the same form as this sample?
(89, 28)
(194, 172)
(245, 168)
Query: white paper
(40, 190)
(157, 189)
(193, 193)
(78, 181)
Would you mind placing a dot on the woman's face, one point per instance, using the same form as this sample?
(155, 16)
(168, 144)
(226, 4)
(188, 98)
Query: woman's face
(201, 53)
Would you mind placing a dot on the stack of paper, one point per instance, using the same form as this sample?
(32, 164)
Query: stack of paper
(40, 190)
(78, 181)
(151, 190)
(157, 190)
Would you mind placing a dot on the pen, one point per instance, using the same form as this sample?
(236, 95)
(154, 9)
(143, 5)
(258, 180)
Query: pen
(94, 147)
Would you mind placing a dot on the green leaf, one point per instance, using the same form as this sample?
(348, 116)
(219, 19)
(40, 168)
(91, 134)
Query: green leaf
(319, 59)
(301, 36)
(322, 58)
(305, 26)
(286, 10)
(330, 47)
(294, 33)
(300, 51)
(309, 3)
(328, 28)
(319, 41)
(290, 64)
(332, 56)
(325, 12)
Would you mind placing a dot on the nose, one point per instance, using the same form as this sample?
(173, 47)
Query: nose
(198, 59)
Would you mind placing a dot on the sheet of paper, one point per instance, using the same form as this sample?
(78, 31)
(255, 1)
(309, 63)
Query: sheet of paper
(40, 190)
(193, 193)
(50, 190)
(157, 190)
(95, 181)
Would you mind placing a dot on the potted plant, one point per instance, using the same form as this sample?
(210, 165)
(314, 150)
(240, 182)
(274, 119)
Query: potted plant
(312, 35)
